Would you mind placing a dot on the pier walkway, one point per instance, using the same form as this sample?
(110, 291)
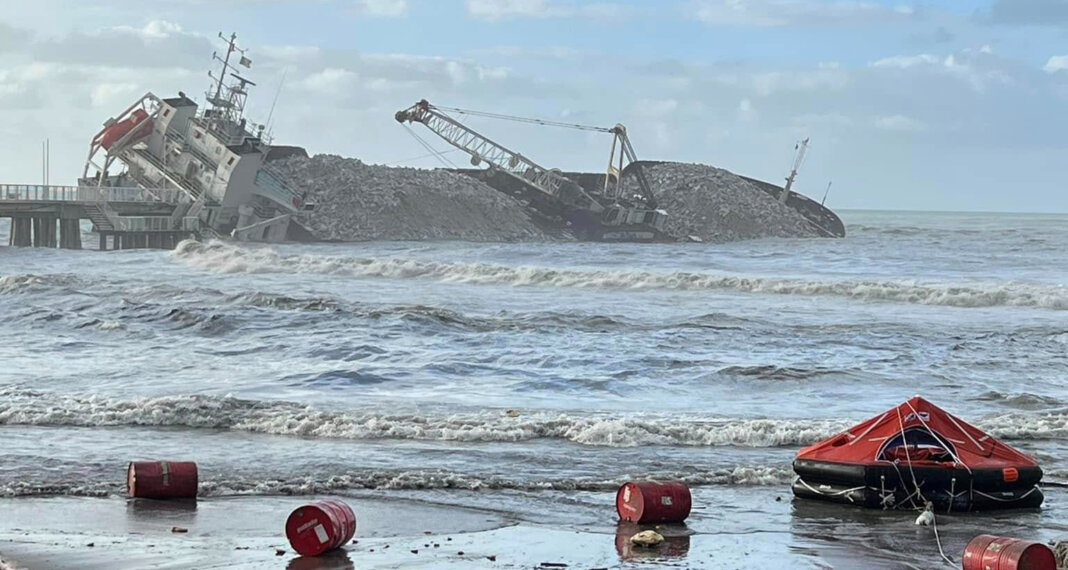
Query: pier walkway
(132, 217)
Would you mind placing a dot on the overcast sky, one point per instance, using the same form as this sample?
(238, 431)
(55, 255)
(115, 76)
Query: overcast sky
(936, 105)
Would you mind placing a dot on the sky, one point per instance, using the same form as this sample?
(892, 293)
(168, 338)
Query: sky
(931, 105)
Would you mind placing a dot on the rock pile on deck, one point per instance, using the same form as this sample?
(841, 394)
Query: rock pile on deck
(719, 206)
(361, 202)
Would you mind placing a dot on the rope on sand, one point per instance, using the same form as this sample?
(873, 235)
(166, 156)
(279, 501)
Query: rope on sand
(938, 541)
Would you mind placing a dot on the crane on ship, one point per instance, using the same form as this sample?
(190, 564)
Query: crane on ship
(799, 159)
(547, 189)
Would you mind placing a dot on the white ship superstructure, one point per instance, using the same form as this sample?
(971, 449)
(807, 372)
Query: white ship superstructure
(212, 159)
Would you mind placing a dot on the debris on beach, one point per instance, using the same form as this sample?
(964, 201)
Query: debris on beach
(647, 539)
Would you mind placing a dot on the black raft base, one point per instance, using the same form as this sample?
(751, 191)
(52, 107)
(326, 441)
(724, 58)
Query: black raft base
(893, 485)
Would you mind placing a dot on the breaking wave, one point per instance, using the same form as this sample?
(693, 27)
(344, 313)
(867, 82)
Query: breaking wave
(13, 284)
(407, 480)
(24, 407)
(226, 258)
(20, 407)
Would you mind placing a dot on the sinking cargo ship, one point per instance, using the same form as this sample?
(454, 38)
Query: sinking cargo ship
(615, 205)
(210, 162)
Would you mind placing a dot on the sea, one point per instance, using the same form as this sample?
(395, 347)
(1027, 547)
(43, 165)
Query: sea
(531, 379)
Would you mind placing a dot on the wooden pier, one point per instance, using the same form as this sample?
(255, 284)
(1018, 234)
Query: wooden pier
(131, 217)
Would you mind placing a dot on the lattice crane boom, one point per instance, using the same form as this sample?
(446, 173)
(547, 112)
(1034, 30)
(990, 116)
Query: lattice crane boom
(482, 149)
(622, 153)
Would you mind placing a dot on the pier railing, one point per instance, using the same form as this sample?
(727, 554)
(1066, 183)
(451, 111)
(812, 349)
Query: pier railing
(39, 192)
(155, 224)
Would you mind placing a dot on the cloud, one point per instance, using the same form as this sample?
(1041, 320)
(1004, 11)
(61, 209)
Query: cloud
(1029, 12)
(940, 35)
(979, 68)
(549, 53)
(383, 8)
(12, 38)
(1056, 63)
(779, 13)
(329, 81)
(157, 44)
(500, 10)
(655, 107)
(899, 123)
(746, 112)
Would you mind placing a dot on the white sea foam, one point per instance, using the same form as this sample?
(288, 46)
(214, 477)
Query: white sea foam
(761, 475)
(280, 418)
(20, 407)
(227, 258)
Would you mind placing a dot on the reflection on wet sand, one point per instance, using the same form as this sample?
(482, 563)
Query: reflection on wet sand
(153, 510)
(333, 560)
(676, 541)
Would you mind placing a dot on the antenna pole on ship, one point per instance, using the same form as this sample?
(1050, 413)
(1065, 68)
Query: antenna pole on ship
(231, 46)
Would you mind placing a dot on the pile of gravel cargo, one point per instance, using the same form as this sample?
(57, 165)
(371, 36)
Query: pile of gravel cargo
(362, 202)
(719, 206)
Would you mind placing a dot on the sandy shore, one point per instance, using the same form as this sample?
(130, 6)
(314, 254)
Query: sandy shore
(246, 532)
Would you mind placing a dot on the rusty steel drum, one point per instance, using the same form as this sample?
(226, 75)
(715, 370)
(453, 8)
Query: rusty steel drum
(161, 480)
(320, 527)
(653, 501)
(988, 552)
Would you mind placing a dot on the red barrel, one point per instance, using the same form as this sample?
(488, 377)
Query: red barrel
(162, 479)
(988, 552)
(320, 527)
(653, 501)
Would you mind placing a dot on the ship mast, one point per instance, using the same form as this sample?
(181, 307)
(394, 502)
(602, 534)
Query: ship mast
(226, 115)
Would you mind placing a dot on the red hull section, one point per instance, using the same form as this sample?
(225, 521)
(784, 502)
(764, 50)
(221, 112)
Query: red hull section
(915, 452)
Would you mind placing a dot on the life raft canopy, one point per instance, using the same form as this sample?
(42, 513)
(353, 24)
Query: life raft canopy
(918, 450)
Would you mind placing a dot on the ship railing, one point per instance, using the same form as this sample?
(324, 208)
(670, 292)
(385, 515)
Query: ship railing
(270, 184)
(53, 193)
(156, 224)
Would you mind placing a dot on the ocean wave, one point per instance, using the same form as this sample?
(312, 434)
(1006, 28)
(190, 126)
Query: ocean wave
(21, 407)
(25, 407)
(1022, 401)
(772, 372)
(421, 479)
(227, 258)
(28, 282)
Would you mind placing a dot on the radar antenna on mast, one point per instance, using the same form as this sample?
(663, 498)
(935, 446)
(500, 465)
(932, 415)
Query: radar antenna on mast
(227, 113)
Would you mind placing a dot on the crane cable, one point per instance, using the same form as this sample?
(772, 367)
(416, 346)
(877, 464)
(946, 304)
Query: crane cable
(436, 153)
(543, 122)
(422, 156)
